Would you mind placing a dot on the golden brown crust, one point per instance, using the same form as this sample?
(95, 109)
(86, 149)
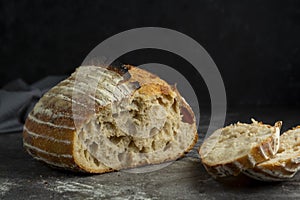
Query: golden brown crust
(143, 77)
(52, 146)
(56, 135)
(45, 130)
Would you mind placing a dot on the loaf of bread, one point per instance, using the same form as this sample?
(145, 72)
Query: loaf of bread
(105, 119)
(238, 147)
(285, 164)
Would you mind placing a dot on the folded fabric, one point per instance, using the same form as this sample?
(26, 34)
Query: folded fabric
(17, 99)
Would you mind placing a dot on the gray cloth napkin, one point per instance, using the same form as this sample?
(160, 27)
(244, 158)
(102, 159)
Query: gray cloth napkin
(17, 99)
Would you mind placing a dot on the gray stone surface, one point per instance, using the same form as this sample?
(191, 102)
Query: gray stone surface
(21, 177)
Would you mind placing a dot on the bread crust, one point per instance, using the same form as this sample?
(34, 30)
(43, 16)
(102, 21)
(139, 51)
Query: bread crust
(259, 153)
(284, 168)
(50, 136)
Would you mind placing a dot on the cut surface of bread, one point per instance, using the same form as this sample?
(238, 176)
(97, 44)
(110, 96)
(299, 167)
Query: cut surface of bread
(100, 120)
(239, 146)
(285, 164)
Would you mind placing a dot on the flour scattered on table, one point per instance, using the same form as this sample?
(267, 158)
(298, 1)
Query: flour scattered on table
(5, 186)
(96, 190)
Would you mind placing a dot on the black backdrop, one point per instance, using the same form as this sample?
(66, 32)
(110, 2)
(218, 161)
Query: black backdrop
(255, 44)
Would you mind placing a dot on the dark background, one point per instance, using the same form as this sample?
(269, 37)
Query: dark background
(255, 44)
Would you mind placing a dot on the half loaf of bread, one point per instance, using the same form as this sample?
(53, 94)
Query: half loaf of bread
(104, 119)
(285, 164)
(240, 146)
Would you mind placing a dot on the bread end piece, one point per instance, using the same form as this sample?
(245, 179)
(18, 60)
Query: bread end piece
(285, 164)
(238, 147)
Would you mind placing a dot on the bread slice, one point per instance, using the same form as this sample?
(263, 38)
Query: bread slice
(239, 146)
(285, 164)
(99, 120)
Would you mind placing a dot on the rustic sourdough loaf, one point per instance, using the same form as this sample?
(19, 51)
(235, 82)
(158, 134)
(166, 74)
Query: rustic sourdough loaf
(99, 120)
(285, 164)
(240, 146)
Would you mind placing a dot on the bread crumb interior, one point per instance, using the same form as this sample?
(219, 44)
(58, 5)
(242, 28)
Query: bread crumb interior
(137, 131)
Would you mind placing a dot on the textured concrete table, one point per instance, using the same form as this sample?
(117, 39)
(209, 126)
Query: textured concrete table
(21, 177)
